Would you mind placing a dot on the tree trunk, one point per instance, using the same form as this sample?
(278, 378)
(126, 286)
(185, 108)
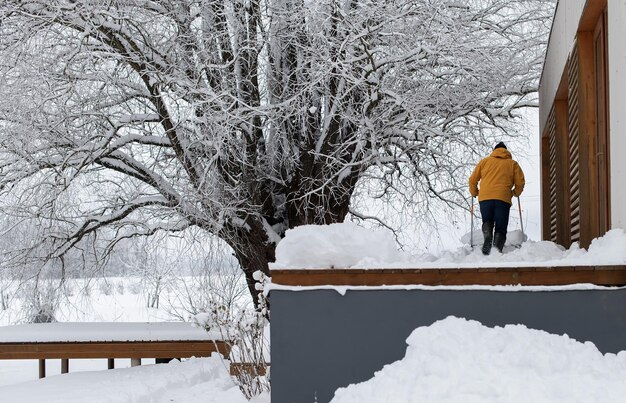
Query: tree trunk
(254, 252)
(251, 262)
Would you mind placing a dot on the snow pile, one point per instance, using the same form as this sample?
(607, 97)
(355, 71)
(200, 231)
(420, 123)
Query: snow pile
(609, 249)
(203, 380)
(336, 245)
(350, 246)
(455, 360)
(513, 238)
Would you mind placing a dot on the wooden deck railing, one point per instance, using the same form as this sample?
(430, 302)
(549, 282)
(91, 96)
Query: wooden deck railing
(134, 349)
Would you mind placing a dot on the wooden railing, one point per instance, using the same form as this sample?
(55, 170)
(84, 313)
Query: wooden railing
(135, 350)
(18, 345)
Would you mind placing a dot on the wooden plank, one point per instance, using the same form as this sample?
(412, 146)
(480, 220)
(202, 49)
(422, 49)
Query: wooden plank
(562, 174)
(553, 174)
(573, 145)
(557, 275)
(601, 138)
(592, 11)
(587, 131)
(545, 186)
(113, 349)
(248, 369)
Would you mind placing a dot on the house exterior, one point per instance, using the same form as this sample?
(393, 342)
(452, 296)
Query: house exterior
(582, 97)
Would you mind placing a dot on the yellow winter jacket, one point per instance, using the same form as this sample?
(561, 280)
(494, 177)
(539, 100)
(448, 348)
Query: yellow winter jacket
(500, 177)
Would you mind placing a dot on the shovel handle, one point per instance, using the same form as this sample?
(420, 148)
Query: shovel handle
(472, 224)
(521, 222)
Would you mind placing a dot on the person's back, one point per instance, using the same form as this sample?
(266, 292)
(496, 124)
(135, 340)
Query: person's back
(500, 179)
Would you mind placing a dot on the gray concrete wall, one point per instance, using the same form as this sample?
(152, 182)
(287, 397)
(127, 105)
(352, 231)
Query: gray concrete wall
(322, 340)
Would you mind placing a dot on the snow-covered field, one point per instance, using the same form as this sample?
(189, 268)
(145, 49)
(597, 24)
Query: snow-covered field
(203, 380)
(114, 299)
(453, 360)
(118, 299)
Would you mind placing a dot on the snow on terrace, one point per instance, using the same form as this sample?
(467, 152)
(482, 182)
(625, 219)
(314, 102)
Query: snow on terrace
(455, 360)
(103, 332)
(347, 245)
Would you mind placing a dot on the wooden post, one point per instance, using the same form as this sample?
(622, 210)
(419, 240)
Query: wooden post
(110, 363)
(42, 368)
(65, 365)
(545, 186)
(587, 132)
(134, 362)
(562, 179)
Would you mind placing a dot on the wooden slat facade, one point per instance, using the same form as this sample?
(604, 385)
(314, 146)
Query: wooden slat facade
(562, 173)
(527, 276)
(552, 176)
(575, 143)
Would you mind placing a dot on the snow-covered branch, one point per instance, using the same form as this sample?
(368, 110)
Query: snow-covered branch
(247, 118)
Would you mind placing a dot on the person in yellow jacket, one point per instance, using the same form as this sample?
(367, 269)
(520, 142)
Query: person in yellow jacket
(500, 179)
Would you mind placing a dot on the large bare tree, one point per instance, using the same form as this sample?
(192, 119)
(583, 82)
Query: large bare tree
(245, 118)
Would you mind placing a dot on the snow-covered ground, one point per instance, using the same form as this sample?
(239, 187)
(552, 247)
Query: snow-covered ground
(199, 380)
(453, 360)
(118, 299)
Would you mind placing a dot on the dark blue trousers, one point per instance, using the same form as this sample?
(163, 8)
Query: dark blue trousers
(496, 211)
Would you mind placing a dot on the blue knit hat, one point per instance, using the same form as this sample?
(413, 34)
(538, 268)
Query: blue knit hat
(500, 145)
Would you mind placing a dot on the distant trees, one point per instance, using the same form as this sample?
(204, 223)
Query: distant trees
(245, 118)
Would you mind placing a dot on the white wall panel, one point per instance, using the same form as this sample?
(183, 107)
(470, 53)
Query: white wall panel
(562, 36)
(617, 109)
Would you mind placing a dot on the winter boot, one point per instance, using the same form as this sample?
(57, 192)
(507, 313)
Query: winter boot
(498, 240)
(488, 236)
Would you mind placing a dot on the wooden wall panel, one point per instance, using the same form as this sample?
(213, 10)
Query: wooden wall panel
(562, 173)
(545, 186)
(552, 176)
(586, 135)
(573, 141)
(601, 139)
